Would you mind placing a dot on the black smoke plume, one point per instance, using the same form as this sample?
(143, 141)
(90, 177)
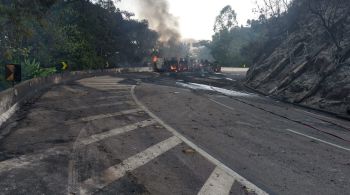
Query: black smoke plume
(166, 24)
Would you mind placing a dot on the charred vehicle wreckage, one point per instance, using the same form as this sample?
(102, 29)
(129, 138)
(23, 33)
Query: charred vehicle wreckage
(182, 64)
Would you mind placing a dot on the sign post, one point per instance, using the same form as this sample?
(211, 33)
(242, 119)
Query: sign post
(61, 66)
(13, 73)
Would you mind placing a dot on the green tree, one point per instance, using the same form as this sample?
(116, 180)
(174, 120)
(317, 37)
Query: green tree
(85, 34)
(229, 39)
(226, 20)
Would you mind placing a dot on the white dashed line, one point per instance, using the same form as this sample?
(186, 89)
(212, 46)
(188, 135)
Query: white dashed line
(115, 172)
(295, 132)
(320, 140)
(221, 104)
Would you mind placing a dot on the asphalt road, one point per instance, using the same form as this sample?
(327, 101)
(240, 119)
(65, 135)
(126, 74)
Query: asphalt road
(170, 134)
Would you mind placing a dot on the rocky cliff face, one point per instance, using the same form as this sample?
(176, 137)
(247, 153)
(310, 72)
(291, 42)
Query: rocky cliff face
(307, 68)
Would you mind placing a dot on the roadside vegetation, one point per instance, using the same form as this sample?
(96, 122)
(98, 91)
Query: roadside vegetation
(240, 46)
(234, 45)
(39, 34)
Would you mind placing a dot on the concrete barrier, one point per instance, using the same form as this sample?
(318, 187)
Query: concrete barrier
(11, 99)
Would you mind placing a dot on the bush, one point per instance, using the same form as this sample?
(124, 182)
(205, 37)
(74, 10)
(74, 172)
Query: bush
(32, 69)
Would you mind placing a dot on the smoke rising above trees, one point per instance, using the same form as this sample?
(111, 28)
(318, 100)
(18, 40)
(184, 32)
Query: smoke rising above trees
(160, 19)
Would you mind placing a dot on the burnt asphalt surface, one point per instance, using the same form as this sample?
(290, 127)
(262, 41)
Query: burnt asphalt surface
(71, 135)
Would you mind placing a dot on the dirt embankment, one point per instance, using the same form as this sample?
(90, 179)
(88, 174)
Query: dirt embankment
(307, 68)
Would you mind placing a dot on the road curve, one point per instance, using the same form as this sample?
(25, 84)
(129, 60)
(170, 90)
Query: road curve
(151, 134)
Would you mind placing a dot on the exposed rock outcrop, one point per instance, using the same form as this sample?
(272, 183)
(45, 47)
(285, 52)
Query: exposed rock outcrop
(307, 68)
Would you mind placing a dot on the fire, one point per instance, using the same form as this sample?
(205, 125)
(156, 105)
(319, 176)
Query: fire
(155, 59)
(173, 68)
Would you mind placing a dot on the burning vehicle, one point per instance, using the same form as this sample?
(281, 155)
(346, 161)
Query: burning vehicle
(175, 64)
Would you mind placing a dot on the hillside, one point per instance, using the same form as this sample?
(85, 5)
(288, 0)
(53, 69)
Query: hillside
(307, 67)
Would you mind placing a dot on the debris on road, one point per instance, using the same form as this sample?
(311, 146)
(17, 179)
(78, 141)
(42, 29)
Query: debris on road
(189, 151)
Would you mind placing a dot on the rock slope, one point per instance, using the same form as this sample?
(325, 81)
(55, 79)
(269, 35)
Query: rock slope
(307, 68)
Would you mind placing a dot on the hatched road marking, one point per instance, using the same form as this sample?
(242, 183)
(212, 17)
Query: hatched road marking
(26, 160)
(115, 172)
(112, 88)
(219, 183)
(114, 132)
(210, 158)
(103, 116)
(112, 97)
(101, 105)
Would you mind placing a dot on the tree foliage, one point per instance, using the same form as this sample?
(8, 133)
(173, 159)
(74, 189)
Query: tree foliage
(85, 34)
(277, 20)
(227, 44)
(229, 38)
(237, 46)
(226, 20)
(273, 8)
(329, 13)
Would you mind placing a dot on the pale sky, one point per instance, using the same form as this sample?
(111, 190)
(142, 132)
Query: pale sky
(196, 17)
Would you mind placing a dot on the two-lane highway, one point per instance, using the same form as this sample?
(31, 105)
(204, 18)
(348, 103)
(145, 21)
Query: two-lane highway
(151, 134)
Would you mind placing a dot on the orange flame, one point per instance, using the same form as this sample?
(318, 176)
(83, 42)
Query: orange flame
(173, 68)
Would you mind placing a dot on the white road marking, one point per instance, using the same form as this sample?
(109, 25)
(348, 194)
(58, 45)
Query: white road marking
(103, 83)
(102, 80)
(103, 116)
(112, 97)
(110, 87)
(73, 169)
(70, 89)
(100, 105)
(221, 104)
(197, 86)
(118, 89)
(114, 132)
(106, 85)
(219, 183)
(230, 79)
(313, 114)
(6, 115)
(341, 123)
(26, 160)
(210, 158)
(320, 140)
(115, 172)
(323, 141)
